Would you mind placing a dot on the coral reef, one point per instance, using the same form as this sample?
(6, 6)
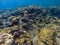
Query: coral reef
(32, 25)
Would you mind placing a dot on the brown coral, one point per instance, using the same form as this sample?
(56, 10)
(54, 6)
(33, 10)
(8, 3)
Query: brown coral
(46, 36)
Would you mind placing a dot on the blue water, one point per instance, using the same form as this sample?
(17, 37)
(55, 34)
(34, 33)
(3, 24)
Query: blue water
(20, 3)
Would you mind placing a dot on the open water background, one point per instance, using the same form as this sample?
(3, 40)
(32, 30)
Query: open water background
(8, 4)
